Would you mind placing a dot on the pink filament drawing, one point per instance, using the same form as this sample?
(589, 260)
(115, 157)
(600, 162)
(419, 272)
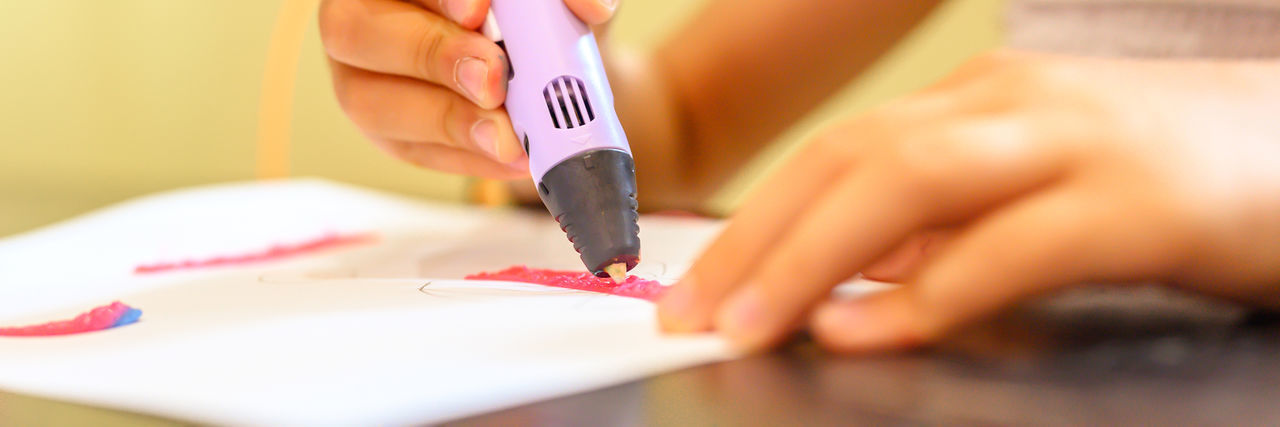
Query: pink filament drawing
(633, 287)
(274, 253)
(105, 317)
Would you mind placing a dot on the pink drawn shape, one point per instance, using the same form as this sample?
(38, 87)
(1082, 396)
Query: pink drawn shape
(273, 253)
(98, 319)
(633, 287)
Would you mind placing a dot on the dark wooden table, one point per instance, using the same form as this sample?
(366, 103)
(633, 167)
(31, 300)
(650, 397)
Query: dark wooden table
(1094, 356)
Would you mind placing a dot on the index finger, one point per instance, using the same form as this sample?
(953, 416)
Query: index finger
(394, 37)
(689, 305)
(779, 202)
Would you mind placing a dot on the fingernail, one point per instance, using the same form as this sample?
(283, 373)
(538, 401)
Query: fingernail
(609, 3)
(470, 74)
(456, 9)
(485, 135)
(743, 314)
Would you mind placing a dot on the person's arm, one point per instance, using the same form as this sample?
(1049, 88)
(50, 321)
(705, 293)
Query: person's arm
(736, 76)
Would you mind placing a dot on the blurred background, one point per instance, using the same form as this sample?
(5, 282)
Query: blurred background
(108, 100)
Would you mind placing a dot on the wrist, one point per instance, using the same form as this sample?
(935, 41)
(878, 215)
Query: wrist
(651, 114)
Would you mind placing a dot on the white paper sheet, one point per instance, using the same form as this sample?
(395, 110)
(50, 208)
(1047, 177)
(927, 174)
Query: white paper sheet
(342, 337)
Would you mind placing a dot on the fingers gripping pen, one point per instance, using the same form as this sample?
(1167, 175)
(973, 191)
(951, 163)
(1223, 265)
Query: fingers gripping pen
(562, 109)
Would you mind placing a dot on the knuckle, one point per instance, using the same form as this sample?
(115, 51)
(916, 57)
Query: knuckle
(928, 161)
(450, 110)
(836, 144)
(832, 146)
(983, 63)
(996, 57)
(1019, 75)
(982, 66)
(1035, 78)
(830, 150)
(427, 52)
(337, 28)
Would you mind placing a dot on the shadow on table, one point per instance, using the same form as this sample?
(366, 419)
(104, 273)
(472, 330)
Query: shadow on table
(1092, 356)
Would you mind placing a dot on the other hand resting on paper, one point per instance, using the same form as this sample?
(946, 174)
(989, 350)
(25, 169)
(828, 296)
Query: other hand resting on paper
(1024, 173)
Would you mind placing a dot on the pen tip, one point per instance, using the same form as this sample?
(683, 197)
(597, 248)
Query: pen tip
(617, 272)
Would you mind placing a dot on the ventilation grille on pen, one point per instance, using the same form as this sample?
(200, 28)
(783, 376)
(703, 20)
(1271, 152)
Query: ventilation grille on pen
(568, 103)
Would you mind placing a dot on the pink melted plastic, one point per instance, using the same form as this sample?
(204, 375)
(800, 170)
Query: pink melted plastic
(276, 252)
(633, 287)
(94, 320)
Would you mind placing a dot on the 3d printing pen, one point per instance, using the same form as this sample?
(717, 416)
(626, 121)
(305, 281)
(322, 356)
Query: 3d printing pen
(562, 109)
